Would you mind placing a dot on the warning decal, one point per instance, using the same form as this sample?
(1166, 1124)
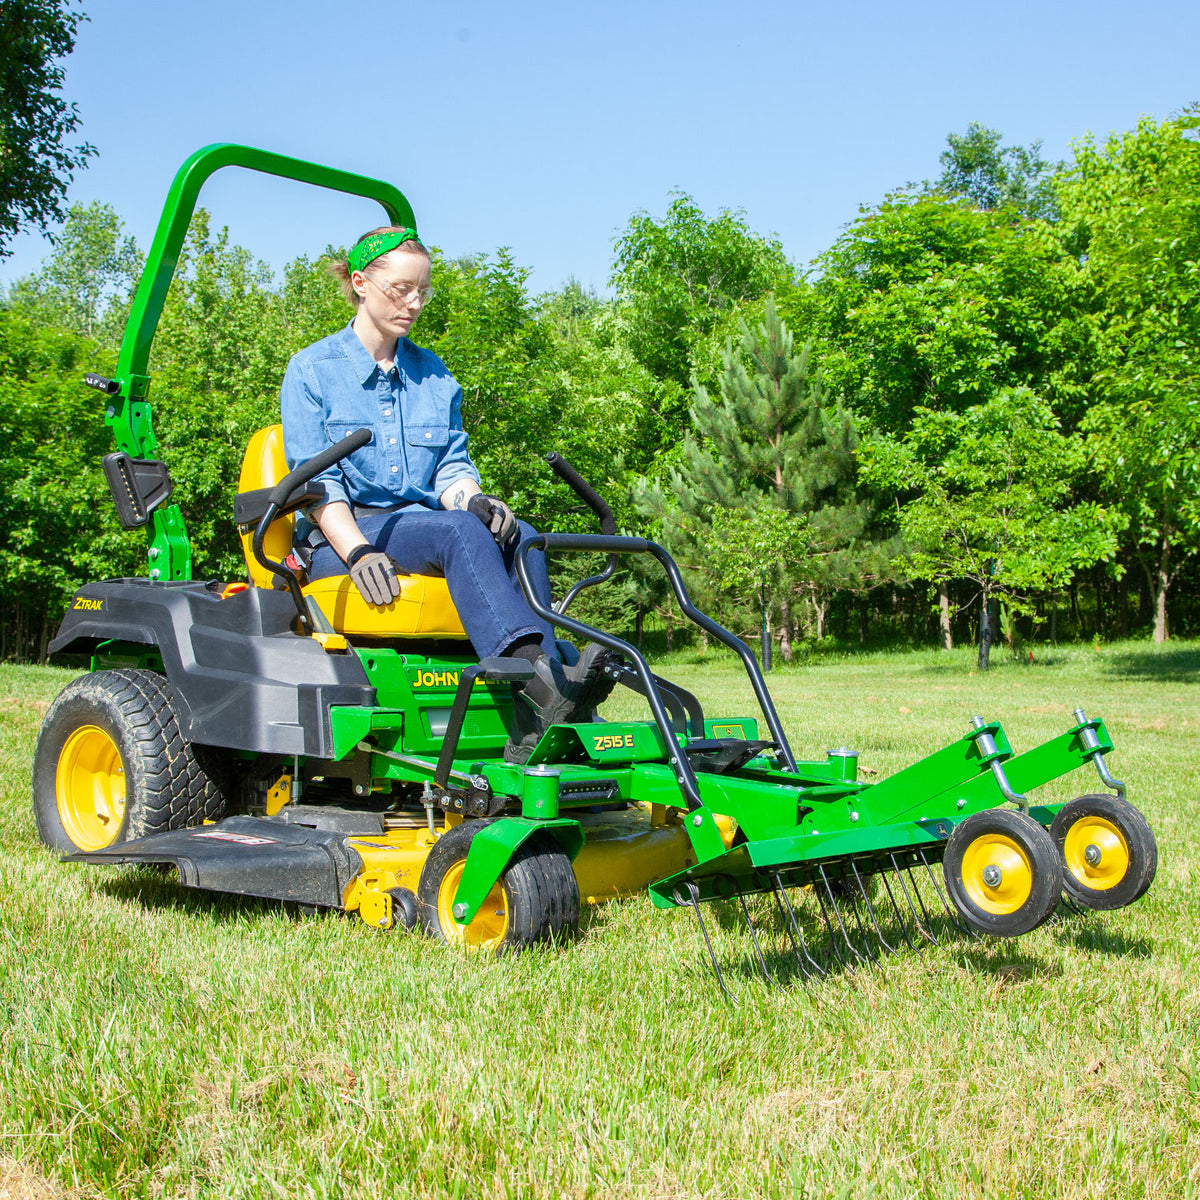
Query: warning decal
(242, 839)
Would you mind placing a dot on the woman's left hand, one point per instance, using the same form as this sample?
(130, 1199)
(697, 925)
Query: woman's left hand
(496, 515)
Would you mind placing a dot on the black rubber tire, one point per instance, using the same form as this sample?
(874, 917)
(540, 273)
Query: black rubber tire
(169, 783)
(406, 912)
(1139, 841)
(540, 894)
(1040, 871)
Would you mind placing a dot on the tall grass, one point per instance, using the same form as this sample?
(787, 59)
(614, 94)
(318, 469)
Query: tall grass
(160, 1042)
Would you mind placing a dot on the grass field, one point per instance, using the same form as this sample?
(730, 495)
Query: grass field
(158, 1042)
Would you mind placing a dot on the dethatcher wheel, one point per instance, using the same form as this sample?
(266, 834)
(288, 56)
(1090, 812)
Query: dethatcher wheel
(1002, 872)
(1109, 854)
(536, 899)
(111, 764)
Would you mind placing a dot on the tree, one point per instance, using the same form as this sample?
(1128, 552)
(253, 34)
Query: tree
(36, 165)
(986, 495)
(1132, 208)
(992, 176)
(218, 356)
(87, 283)
(674, 279)
(58, 527)
(931, 302)
(774, 440)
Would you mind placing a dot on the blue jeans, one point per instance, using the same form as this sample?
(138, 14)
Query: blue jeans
(481, 577)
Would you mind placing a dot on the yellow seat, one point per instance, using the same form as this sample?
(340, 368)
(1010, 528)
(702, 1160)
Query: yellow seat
(422, 610)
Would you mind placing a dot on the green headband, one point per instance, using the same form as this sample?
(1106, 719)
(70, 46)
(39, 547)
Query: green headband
(370, 248)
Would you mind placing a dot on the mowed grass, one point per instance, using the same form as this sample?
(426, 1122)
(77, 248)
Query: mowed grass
(161, 1042)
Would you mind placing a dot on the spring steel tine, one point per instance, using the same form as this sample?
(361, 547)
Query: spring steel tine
(871, 909)
(1075, 909)
(693, 895)
(858, 918)
(793, 929)
(899, 915)
(820, 970)
(762, 962)
(837, 913)
(776, 890)
(791, 937)
(937, 887)
(829, 925)
(927, 928)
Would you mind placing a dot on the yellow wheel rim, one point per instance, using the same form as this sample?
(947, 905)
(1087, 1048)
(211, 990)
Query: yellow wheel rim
(89, 785)
(997, 874)
(1096, 853)
(490, 925)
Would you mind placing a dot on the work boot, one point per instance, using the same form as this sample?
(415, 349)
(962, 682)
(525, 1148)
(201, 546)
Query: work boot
(593, 681)
(549, 698)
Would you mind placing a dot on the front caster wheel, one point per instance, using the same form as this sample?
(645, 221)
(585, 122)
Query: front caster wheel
(536, 898)
(1108, 851)
(1002, 872)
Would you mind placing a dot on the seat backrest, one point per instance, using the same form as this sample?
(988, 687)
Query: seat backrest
(264, 465)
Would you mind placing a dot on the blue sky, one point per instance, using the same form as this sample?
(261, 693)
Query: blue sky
(543, 126)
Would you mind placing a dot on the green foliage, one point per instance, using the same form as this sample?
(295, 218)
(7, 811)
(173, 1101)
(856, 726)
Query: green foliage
(987, 497)
(764, 494)
(674, 280)
(929, 302)
(934, 319)
(1133, 210)
(976, 166)
(87, 283)
(481, 322)
(217, 360)
(57, 525)
(35, 121)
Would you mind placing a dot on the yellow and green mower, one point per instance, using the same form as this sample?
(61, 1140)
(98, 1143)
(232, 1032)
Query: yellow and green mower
(275, 738)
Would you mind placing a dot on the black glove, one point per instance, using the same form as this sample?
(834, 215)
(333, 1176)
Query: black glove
(496, 515)
(374, 574)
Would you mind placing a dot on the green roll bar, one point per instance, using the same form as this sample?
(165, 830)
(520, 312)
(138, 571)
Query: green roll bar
(128, 413)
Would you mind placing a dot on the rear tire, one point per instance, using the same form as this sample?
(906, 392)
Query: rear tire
(1108, 851)
(111, 765)
(535, 900)
(1002, 872)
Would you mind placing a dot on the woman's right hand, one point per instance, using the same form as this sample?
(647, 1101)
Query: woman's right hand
(374, 574)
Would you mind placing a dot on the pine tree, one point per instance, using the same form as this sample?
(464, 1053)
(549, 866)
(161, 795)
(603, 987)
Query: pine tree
(764, 495)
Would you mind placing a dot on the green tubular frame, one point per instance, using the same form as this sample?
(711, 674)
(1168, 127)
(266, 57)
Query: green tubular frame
(128, 413)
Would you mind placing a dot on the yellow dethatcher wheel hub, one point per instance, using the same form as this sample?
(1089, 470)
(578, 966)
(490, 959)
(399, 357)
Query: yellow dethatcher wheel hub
(1096, 852)
(90, 788)
(490, 925)
(997, 874)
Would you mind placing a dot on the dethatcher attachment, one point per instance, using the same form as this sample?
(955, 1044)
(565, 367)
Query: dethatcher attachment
(760, 823)
(997, 871)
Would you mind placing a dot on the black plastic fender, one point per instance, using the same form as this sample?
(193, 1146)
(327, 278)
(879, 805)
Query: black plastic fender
(242, 677)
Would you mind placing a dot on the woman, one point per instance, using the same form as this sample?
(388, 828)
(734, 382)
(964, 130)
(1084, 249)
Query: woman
(411, 501)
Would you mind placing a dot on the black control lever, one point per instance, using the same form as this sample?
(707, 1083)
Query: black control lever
(584, 490)
(594, 501)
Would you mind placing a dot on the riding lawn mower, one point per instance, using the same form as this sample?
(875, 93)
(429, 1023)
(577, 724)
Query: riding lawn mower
(278, 738)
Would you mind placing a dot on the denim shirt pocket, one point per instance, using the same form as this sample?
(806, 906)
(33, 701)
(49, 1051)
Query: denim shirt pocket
(364, 468)
(423, 449)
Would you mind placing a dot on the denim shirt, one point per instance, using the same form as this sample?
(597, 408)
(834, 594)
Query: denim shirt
(414, 411)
